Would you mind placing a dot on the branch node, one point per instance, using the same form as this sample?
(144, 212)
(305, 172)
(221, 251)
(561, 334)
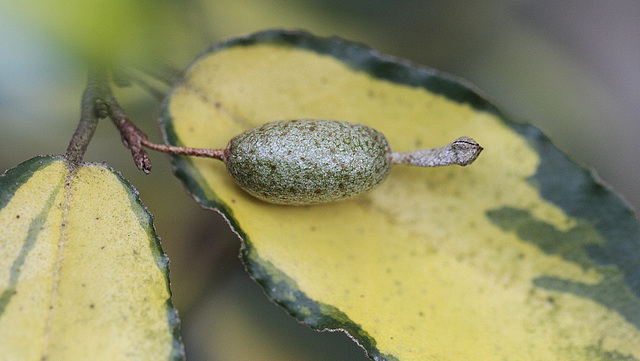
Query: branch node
(100, 109)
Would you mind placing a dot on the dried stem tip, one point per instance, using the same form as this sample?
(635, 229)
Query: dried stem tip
(462, 151)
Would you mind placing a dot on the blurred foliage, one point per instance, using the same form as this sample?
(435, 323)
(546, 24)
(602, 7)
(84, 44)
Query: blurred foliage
(105, 32)
(570, 68)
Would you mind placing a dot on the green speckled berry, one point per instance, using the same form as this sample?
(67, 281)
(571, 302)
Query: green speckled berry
(300, 162)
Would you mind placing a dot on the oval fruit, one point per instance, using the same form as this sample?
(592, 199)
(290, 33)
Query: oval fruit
(305, 161)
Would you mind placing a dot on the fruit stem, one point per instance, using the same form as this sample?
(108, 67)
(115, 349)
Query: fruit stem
(462, 151)
(219, 154)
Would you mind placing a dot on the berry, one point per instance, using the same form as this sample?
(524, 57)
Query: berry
(301, 162)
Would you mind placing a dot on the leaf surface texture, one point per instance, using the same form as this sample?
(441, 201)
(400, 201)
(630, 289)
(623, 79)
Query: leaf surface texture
(83, 276)
(520, 256)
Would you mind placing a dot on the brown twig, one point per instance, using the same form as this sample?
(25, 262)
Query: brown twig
(132, 137)
(92, 109)
(99, 102)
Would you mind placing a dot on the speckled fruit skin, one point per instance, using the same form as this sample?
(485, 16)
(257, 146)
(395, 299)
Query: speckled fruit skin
(299, 162)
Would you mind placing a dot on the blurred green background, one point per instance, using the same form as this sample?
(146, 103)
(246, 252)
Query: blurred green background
(571, 68)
